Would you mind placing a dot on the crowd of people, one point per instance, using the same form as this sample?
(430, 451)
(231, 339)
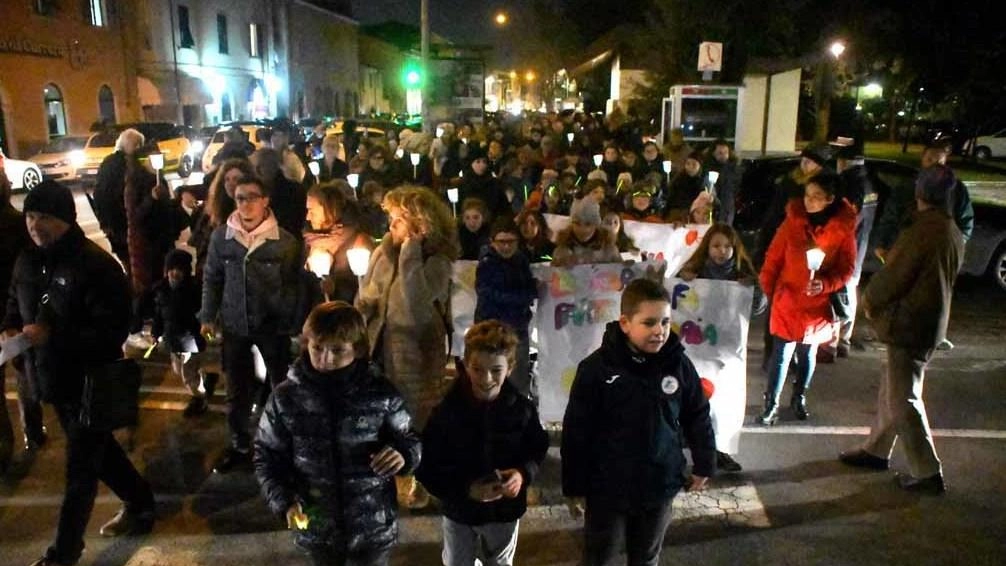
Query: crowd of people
(358, 417)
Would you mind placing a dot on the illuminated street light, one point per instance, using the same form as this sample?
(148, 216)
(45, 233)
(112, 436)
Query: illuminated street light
(837, 48)
(501, 18)
(529, 76)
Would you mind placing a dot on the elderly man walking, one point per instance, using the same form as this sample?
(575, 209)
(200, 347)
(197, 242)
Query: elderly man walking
(70, 300)
(909, 302)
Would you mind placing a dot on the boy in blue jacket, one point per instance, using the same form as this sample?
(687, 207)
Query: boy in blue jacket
(506, 289)
(482, 448)
(632, 401)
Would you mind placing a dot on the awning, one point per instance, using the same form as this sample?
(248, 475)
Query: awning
(160, 90)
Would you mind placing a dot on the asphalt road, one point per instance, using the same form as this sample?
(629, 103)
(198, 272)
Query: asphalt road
(793, 504)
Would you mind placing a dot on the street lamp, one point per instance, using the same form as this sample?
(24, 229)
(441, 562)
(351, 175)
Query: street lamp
(837, 48)
(501, 18)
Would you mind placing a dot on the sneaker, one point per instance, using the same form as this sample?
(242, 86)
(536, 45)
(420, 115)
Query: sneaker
(843, 351)
(726, 463)
(933, 485)
(231, 460)
(197, 406)
(129, 523)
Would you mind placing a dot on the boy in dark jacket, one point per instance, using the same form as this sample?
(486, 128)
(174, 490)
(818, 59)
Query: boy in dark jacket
(506, 289)
(632, 401)
(482, 447)
(174, 303)
(330, 439)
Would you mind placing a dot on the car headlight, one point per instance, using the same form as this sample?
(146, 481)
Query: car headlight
(77, 158)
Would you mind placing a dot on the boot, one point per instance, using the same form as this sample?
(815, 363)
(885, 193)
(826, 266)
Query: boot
(799, 405)
(771, 413)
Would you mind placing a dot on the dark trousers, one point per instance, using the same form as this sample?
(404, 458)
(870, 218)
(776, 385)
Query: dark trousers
(92, 456)
(639, 530)
(782, 353)
(241, 383)
(331, 556)
(29, 405)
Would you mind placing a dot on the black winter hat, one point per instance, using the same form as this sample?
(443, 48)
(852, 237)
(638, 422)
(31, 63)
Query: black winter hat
(935, 185)
(52, 198)
(817, 154)
(178, 259)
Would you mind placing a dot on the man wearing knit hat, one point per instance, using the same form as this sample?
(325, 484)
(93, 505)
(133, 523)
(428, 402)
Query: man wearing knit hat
(909, 302)
(70, 299)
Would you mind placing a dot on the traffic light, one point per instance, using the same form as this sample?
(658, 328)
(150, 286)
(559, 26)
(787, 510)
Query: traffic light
(412, 75)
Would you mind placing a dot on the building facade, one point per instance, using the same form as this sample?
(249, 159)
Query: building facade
(324, 49)
(202, 62)
(63, 67)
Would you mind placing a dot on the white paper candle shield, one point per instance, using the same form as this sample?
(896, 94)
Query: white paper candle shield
(359, 260)
(319, 262)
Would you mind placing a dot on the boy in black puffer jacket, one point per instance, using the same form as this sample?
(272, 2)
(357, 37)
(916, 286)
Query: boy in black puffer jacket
(632, 401)
(330, 439)
(482, 448)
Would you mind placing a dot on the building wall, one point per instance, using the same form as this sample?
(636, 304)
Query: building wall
(64, 50)
(325, 76)
(387, 61)
(192, 84)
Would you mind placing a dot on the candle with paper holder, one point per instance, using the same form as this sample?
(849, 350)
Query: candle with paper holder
(315, 168)
(815, 257)
(597, 160)
(359, 262)
(452, 195)
(319, 262)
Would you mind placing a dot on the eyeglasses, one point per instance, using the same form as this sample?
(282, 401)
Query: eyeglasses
(245, 199)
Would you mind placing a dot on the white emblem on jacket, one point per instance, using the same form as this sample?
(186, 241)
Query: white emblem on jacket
(669, 384)
(612, 379)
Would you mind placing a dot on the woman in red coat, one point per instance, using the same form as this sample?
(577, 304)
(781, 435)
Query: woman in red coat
(801, 312)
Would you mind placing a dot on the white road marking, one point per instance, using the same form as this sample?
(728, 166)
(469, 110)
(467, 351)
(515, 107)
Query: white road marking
(865, 430)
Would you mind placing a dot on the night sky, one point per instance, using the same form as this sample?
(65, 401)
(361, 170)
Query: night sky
(464, 21)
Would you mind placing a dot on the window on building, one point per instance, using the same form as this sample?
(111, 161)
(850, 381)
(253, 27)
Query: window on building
(184, 30)
(95, 12)
(54, 111)
(222, 33)
(254, 40)
(45, 7)
(106, 104)
(226, 111)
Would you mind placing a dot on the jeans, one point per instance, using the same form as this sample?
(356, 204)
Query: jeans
(494, 543)
(640, 530)
(782, 354)
(334, 556)
(241, 382)
(92, 456)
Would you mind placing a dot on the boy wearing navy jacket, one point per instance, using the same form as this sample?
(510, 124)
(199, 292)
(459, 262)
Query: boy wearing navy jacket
(482, 448)
(632, 401)
(506, 289)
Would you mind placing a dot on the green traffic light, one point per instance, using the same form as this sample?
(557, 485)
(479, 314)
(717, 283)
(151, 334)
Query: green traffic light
(412, 77)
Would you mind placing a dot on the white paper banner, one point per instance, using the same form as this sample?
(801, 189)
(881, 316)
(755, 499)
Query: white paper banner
(575, 303)
(664, 241)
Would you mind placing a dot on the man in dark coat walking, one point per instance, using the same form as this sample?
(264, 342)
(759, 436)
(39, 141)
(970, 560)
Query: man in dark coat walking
(70, 300)
(909, 302)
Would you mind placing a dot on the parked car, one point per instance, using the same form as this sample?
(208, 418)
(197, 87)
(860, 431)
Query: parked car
(23, 175)
(986, 147)
(60, 158)
(220, 137)
(985, 253)
(172, 140)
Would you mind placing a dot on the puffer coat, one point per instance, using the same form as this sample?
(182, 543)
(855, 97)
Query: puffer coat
(796, 316)
(315, 440)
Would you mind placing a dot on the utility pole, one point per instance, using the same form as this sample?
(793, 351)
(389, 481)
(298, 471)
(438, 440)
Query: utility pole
(424, 50)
